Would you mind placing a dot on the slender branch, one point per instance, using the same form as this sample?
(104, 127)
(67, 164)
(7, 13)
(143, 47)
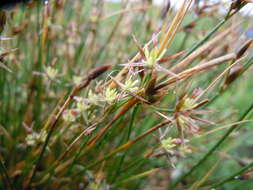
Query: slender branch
(5, 175)
(86, 81)
(197, 69)
(129, 143)
(232, 177)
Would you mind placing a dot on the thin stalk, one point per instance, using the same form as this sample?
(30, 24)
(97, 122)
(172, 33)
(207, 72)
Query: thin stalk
(84, 133)
(91, 76)
(127, 139)
(132, 164)
(5, 175)
(232, 177)
(207, 37)
(198, 183)
(197, 69)
(220, 93)
(170, 34)
(209, 153)
(216, 28)
(141, 175)
(122, 111)
(208, 45)
(129, 143)
(77, 156)
(113, 31)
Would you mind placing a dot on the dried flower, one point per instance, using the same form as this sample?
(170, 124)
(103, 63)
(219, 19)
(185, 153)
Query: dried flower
(51, 72)
(130, 85)
(186, 113)
(70, 115)
(110, 95)
(93, 98)
(168, 144)
(152, 57)
(34, 138)
(81, 105)
(151, 60)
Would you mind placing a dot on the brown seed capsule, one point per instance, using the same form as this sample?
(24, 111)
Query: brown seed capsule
(166, 9)
(244, 48)
(150, 90)
(98, 71)
(189, 27)
(234, 73)
(235, 4)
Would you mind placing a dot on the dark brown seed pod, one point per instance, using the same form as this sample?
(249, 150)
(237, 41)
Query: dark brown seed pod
(244, 48)
(98, 71)
(234, 73)
(150, 90)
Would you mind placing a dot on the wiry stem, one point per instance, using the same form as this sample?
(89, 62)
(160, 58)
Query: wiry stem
(5, 175)
(130, 143)
(193, 55)
(197, 69)
(232, 177)
(93, 74)
(94, 140)
(207, 37)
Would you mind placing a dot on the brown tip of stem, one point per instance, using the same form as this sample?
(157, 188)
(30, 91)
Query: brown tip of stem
(98, 71)
(244, 48)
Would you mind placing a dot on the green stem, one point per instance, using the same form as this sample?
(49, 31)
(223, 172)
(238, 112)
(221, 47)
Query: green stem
(232, 177)
(128, 144)
(219, 94)
(217, 27)
(113, 31)
(5, 175)
(127, 139)
(197, 45)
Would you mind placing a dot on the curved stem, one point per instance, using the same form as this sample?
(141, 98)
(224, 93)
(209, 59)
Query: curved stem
(231, 177)
(5, 175)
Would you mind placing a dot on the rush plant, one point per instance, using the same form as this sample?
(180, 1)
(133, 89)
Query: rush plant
(127, 95)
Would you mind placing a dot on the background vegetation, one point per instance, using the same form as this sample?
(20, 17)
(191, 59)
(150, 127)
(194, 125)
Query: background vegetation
(135, 122)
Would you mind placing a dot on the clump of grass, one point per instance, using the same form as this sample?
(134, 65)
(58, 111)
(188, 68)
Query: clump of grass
(77, 112)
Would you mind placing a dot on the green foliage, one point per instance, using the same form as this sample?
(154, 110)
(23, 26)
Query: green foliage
(78, 109)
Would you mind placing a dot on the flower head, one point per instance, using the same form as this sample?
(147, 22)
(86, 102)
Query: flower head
(152, 57)
(51, 72)
(168, 144)
(186, 112)
(93, 98)
(110, 95)
(130, 85)
(70, 115)
(33, 138)
(81, 105)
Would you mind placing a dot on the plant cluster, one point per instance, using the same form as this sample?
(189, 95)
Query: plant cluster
(76, 112)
